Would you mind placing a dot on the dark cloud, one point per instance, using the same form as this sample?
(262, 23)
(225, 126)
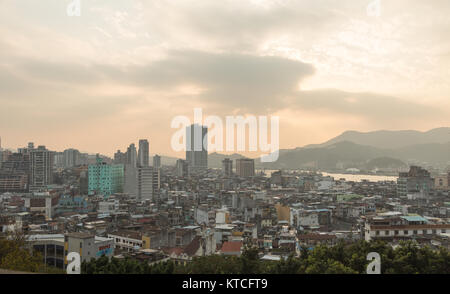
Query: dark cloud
(230, 82)
(375, 107)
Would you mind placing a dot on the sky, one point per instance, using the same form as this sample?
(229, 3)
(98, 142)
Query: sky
(123, 70)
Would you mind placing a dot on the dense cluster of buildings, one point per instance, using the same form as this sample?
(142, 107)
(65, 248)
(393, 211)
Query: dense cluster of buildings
(127, 207)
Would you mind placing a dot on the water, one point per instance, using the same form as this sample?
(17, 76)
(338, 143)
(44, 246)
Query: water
(360, 178)
(347, 177)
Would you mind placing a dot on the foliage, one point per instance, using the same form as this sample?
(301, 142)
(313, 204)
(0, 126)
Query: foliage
(342, 258)
(16, 257)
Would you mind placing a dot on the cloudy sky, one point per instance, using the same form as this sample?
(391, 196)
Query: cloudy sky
(124, 69)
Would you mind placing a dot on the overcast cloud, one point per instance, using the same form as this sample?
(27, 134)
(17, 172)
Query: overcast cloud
(123, 69)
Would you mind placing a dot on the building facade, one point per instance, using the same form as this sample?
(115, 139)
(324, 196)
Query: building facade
(245, 167)
(227, 167)
(105, 179)
(197, 147)
(144, 153)
(41, 168)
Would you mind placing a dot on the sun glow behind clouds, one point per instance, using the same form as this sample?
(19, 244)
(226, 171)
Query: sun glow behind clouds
(133, 62)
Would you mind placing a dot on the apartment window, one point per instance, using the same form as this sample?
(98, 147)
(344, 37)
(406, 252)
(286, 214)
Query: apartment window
(415, 232)
(434, 231)
(386, 233)
(396, 232)
(443, 231)
(81, 244)
(405, 232)
(377, 233)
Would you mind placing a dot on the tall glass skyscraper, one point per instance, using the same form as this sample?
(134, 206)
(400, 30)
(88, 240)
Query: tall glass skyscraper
(143, 153)
(197, 146)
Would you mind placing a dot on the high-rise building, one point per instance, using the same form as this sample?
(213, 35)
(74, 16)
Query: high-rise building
(120, 157)
(197, 146)
(245, 167)
(105, 179)
(58, 159)
(132, 155)
(156, 161)
(13, 183)
(144, 153)
(148, 182)
(182, 168)
(28, 149)
(84, 182)
(416, 181)
(41, 168)
(141, 182)
(14, 173)
(83, 159)
(5, 155)
(227, 167)
(71, 158)
(131, 181)
(1, 152)
(17, 163)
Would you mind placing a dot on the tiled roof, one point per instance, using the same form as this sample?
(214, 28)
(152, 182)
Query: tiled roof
(231, 247)
(193, 247)
(410, 227)
(316, 237)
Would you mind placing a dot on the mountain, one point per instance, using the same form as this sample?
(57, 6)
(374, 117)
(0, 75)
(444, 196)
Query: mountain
(342, 155)
(385, 163)
(351, 149)
(215, 159)
(167, 160)
(391, 139)
(430, 153)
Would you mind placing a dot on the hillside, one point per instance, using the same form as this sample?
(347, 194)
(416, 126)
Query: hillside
(391, 139)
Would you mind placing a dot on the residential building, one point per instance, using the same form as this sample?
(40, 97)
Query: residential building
(105, 179)
(227, 167)
(156, 161)
(197, 147)
(245, 167)
(144, 153)
(41, 165)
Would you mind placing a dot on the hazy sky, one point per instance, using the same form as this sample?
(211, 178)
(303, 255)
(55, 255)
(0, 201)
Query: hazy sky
(124, 69)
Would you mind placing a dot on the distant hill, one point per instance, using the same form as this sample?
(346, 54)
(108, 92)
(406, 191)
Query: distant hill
(351, 149)
(167, 160)
(385, 163)
(391, 139)
(328, 157)
(215, 159)
(350, 155)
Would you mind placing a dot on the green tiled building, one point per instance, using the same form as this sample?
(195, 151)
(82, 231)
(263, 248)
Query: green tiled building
(105, 179)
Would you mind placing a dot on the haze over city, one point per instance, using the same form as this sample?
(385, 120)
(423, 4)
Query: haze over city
(124, 69)
(233, 144)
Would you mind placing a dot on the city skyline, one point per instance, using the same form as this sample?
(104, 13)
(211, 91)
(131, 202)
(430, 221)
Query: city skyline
(322, 68)
(197, 142)
(438, 135)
